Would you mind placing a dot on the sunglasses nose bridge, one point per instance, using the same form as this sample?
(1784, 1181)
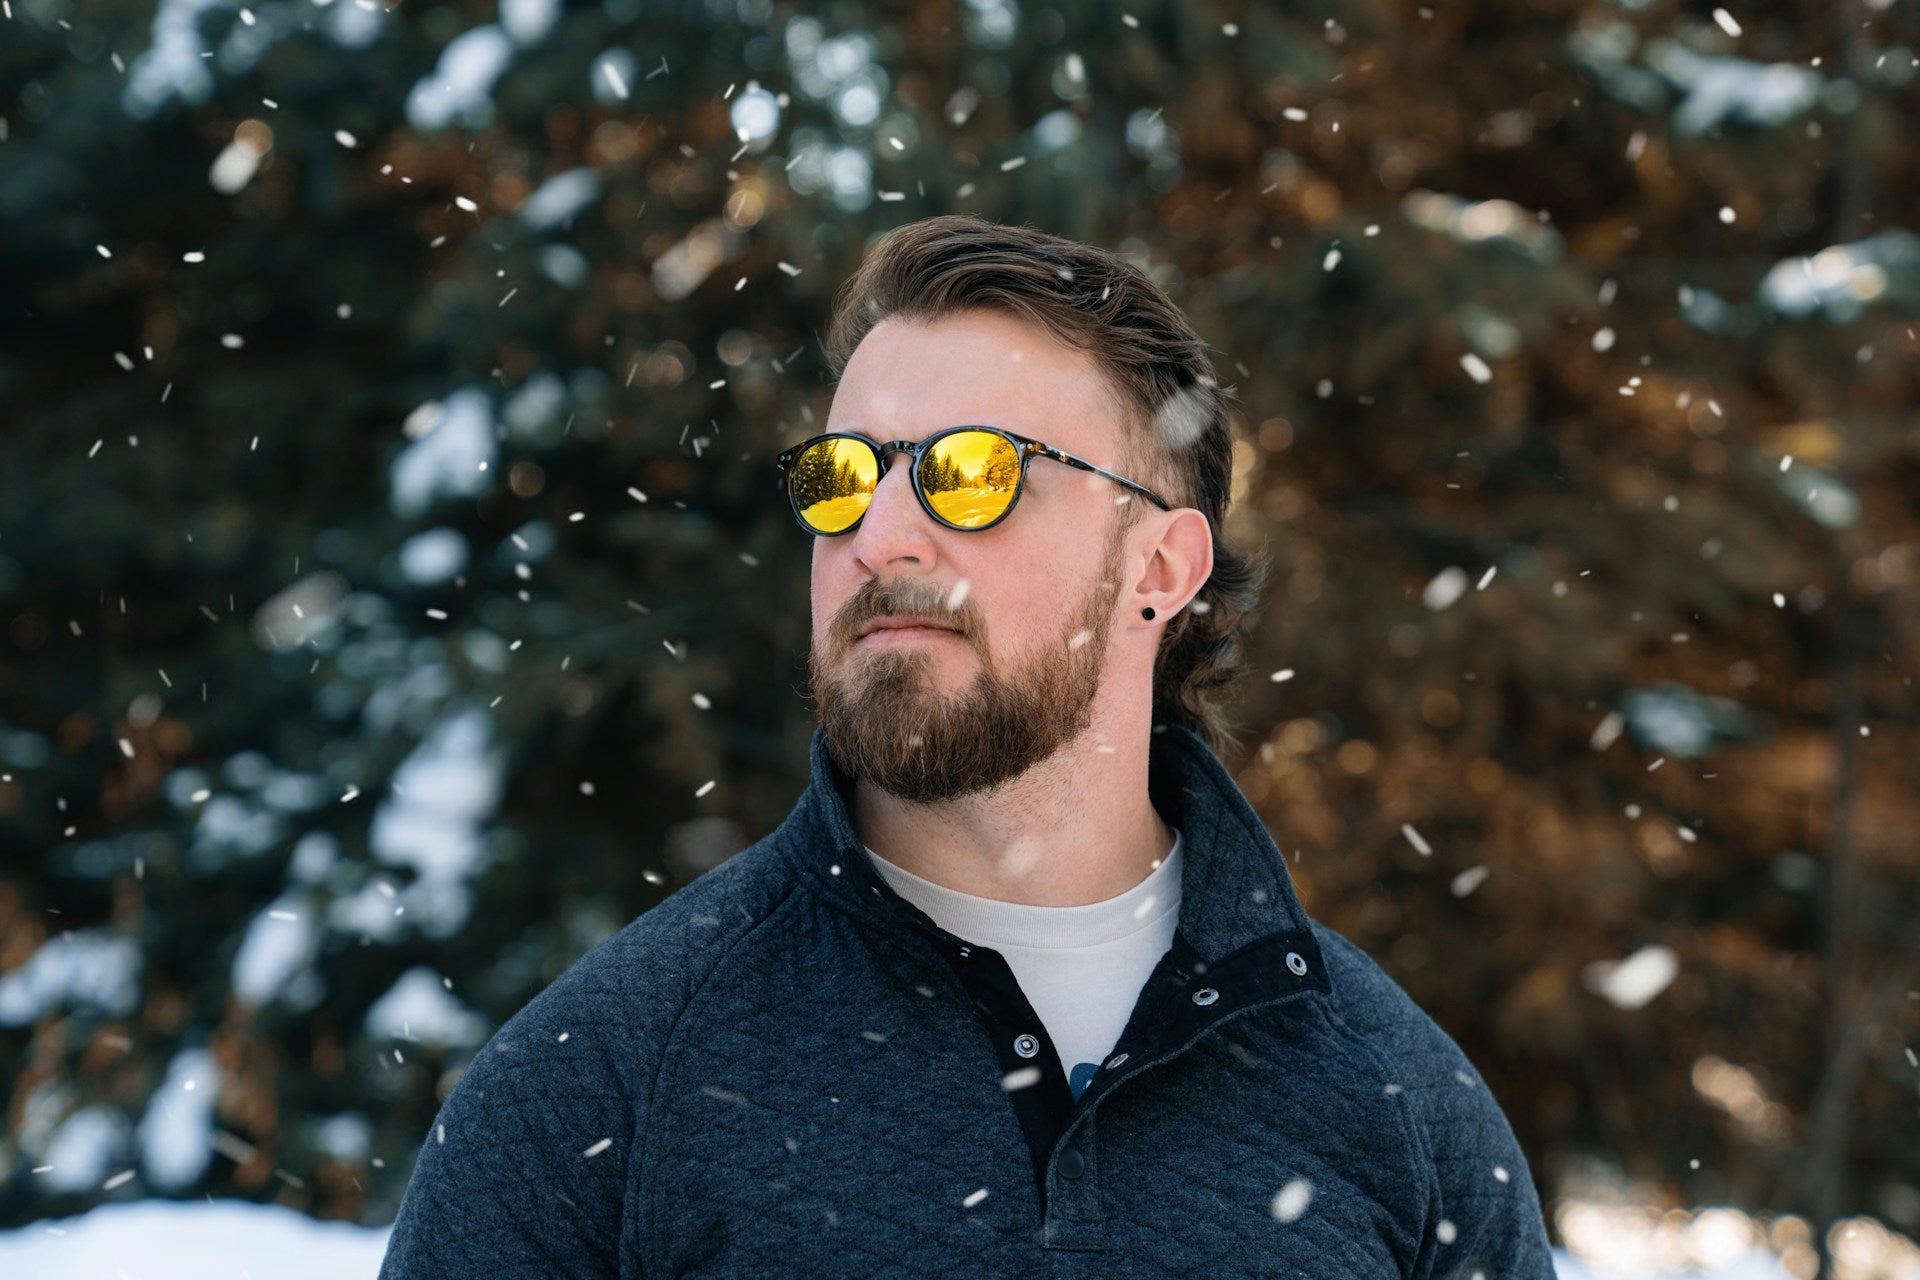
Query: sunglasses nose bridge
(880, 495)
(886, 451)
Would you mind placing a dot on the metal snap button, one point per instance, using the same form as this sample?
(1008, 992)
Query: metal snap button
(1116, 1060)
(1026, 1046)
(965, 952)
(1205, 995)
(1296, 963)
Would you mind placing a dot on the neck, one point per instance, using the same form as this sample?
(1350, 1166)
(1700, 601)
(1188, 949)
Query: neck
(1076, 828)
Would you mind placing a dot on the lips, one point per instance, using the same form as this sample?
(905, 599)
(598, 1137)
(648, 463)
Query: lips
(898, 623)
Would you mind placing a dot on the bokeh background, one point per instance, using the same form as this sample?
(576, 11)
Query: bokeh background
(398, 598)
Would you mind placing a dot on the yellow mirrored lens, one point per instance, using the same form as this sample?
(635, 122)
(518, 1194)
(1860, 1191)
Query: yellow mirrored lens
(832, 483)
(970, 477)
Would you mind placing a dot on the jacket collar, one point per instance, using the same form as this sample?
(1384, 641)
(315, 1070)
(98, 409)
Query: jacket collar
(1234, 885)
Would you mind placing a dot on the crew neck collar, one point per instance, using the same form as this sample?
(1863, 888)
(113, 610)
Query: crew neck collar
(995, 922)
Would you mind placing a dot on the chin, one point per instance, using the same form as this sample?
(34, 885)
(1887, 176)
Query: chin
(911, 671)
(918, 651)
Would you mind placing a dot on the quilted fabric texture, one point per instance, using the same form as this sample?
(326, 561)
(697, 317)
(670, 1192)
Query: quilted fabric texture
(787, 1070)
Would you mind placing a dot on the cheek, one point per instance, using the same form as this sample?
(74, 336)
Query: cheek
(833, 579)
(823, 593)
(1030, 604)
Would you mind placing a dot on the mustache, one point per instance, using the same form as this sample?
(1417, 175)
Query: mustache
(915, 597)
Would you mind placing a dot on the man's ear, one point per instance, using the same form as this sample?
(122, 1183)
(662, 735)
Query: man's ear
(1179, 562)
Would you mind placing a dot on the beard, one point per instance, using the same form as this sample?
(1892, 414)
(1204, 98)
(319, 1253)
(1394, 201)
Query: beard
(886, 723)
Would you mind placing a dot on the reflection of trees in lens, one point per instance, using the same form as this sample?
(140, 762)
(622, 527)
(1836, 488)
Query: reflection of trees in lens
(827, 471)
(946, 468)
(806, 473)
(809, 478)
(831, 483)
(1003, 468)
(970, 478)
(861, 478)
(937, 475)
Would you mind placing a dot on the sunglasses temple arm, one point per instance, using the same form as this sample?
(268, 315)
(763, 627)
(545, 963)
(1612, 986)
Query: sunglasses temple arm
(1141, 489)
(1121, 480)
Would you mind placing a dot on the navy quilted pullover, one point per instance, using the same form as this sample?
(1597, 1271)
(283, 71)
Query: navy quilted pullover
(785, 1069)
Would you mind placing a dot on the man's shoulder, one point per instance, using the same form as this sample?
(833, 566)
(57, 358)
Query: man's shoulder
(1420, 1062)
(669, 949)
(1369, 1002)
(1363, 991)
(552, 1110)
(609, 1013)
(1486, 1202)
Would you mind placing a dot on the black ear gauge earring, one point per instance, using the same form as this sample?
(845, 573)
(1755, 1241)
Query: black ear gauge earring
(1147, 613)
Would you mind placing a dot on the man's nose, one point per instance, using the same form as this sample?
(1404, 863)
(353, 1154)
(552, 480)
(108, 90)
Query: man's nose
(895, 532)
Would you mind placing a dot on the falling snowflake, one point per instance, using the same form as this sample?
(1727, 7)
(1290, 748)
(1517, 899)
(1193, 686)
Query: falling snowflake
(1631, 983)
(1469, 880)
(1291, 1200)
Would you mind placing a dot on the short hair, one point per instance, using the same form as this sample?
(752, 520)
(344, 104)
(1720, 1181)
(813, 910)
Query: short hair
(1179, 439)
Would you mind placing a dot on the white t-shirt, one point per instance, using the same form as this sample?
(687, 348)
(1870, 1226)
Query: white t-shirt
(1081, 968)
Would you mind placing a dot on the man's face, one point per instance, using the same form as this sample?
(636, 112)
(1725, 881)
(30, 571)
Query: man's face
(1026, 606)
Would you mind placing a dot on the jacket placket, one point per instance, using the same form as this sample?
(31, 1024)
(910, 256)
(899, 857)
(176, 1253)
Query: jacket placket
(1183, 1001)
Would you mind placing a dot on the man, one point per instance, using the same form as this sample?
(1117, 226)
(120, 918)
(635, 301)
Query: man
(1021, 986)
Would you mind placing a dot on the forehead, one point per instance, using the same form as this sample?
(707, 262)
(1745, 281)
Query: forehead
(910, 378)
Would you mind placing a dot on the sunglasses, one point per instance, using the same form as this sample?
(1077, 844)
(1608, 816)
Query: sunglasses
(966, 478)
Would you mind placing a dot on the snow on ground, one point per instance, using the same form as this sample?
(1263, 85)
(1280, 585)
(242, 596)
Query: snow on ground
(191, 1240)
(234, 1240)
